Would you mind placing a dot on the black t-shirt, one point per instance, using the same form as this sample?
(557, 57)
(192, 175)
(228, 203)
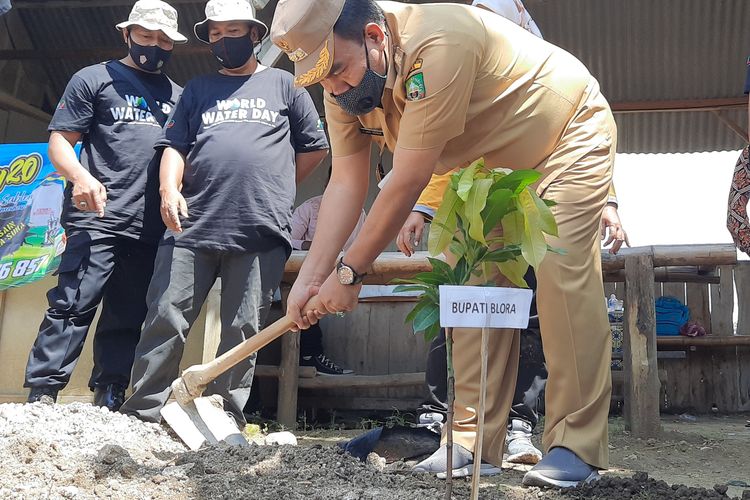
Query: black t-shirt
(747, 78)
(119, 134)
(240, 135)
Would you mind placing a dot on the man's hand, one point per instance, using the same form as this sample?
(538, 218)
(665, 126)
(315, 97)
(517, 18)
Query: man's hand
(89, 195)
(300, 293)
(336, 297)
(411, 233)
(173, 206)
(612, 229)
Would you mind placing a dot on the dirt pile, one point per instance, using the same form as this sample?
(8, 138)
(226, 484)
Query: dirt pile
(641, 486)
(80, 451)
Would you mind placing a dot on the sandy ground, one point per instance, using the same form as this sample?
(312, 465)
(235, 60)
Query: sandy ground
(78, 451)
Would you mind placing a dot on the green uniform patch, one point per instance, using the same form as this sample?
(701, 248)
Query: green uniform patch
(415, 87)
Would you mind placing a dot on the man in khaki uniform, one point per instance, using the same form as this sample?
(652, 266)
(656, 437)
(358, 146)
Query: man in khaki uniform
(447, 84)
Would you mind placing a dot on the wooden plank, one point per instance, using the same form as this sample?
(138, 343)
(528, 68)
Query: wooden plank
(698, 303)
(406, 350)
(270, 371)
(212, 328)
(722, 303)
(712, 104)
(676, 290)
(359, 403)
(675, 255)
(743, 353)
(708, 341)
(363, 381)
(742, 279)
(725, 380)
(640, 366)
(288, 373)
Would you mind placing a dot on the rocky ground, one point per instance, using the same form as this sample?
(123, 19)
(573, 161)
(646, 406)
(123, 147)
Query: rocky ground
(79, 451)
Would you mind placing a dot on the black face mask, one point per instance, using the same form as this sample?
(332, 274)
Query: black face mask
(148, 57)
(233, 52)
(366, 96)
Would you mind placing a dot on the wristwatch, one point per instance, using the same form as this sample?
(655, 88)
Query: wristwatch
(347, 275)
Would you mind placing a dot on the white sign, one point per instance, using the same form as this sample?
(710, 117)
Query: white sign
(480, 307)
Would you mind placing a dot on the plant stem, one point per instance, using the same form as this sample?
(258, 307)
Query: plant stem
(451, 399)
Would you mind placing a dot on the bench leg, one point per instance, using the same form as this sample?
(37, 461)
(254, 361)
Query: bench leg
(288, 373)
(642, 385)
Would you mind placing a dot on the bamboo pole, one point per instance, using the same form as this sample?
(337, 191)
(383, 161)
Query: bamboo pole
(480, 421)
(451, 397)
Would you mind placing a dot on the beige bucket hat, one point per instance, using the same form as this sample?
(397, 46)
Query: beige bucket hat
(154, 15)
(228, 10)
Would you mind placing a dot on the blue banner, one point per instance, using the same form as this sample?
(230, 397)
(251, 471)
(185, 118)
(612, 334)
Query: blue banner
(31, 200)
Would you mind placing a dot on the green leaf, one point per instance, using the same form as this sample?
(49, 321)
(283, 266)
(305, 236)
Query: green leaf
(432, 332)
(466, 181)
(426, 317)
(518, 179)
(503, 254)
(413, 313)
(498, 205)
(513, 228)
(442, 269)
(410, 288)
(514, 270)
(430, 278)
(473, 207)
(461, 272)
(444, 223)
(546, 217)
(533, 244)
(550, 203)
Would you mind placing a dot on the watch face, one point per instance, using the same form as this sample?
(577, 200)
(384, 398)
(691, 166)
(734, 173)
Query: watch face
(346, 275)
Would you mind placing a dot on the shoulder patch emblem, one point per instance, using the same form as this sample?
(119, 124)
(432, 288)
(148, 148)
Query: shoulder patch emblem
(416, 66)
(415, 89)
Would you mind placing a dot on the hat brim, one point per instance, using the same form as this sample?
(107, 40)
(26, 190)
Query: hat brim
(316, 66)
(173, 35)
(201, 29)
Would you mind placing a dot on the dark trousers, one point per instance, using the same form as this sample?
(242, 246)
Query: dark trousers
(96, 267)
(311, 341)
(182, 279)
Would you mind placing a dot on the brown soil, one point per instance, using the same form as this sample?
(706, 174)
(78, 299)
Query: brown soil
(78, 451)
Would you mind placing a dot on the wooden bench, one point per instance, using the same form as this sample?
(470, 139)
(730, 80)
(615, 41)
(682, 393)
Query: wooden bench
(639, 268)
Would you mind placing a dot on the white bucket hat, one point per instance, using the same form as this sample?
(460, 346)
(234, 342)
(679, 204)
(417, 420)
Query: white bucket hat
(228, 10)
(154, 15)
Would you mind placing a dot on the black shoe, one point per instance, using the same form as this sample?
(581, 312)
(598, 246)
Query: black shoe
(111, 395)
(46, 395)
(323, 365)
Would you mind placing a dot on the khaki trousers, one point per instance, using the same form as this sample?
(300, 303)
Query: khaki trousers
(570, 301)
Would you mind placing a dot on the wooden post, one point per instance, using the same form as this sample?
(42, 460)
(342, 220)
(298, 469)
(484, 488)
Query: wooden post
(288, 373)
(451, 397)
(697, 302)
(212, 329)
(722, 303)
(742, 276)
(639, 360)
(480, 421)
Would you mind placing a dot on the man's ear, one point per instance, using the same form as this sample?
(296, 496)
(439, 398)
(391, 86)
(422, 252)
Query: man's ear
(374, 34)
(126, 36)
(254, 33)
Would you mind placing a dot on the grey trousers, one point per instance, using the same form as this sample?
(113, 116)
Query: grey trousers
(181, 281)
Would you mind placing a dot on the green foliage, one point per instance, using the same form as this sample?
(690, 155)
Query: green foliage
(477, 201)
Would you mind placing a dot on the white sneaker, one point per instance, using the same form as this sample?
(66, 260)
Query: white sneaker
(518, 441)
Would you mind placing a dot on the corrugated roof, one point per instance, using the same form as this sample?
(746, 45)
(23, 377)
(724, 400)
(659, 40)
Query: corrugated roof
(655, 50)
(640, 50)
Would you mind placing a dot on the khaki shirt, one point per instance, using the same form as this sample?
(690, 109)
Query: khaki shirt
(491, 89)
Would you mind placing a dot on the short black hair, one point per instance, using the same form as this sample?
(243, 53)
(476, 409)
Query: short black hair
(354, 16)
